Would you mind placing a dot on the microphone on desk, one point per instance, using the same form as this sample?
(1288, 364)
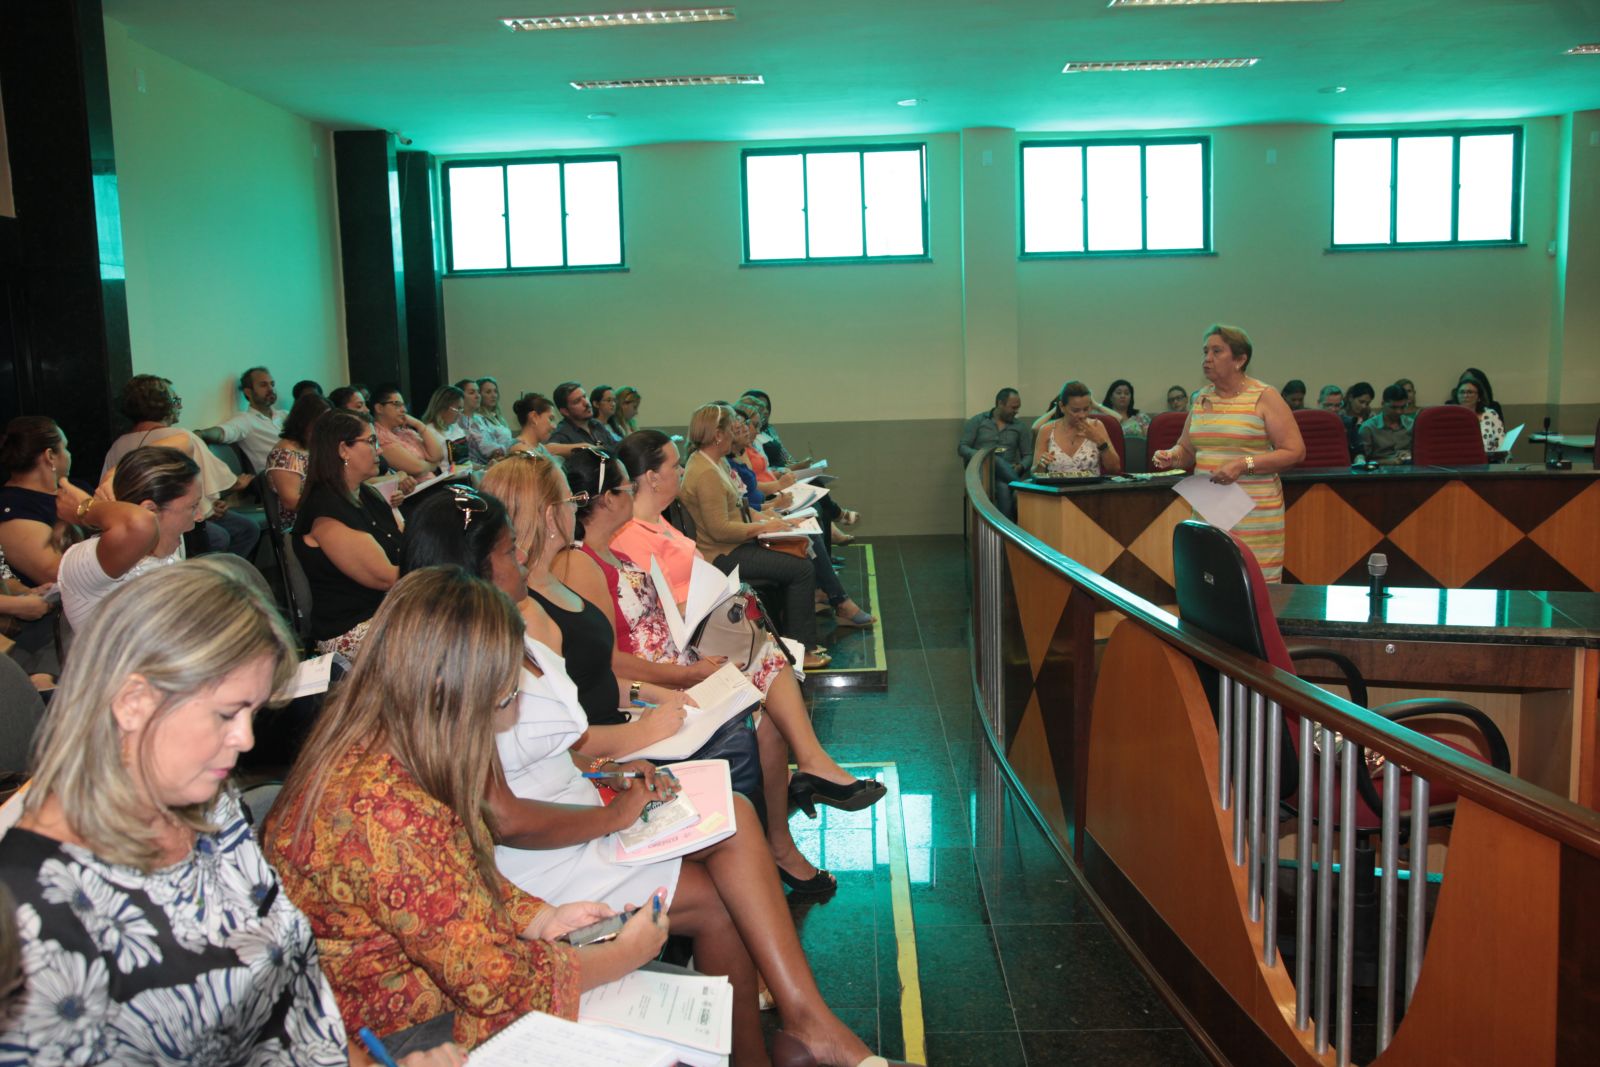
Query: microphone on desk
(1377, 567)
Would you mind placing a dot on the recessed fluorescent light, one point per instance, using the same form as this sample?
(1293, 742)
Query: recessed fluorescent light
(1584, 50)
(601, 20)
(673, 81)
(1191, 3)
(1119, 65)
(910, 101)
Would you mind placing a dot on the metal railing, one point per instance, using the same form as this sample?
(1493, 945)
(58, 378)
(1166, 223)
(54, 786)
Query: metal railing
(1256, 703)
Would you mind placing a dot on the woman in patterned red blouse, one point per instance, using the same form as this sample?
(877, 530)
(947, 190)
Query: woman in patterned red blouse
(380, 839)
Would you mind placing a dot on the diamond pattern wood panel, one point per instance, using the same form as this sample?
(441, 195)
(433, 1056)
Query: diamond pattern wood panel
(1500, 529)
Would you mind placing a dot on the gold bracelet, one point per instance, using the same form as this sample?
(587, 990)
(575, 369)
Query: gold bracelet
(83, 508)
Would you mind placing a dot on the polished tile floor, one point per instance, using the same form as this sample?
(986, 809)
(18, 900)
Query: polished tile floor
(1012, 964)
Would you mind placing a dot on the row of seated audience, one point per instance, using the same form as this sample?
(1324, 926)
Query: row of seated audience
(437, 806)
(1065, 440)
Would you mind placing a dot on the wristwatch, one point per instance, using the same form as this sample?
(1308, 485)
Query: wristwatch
(83, 508)
(634, 689)
(1249, 464)
(1103, 445)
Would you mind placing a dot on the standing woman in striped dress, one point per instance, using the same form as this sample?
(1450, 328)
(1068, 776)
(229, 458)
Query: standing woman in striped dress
(1241, 430)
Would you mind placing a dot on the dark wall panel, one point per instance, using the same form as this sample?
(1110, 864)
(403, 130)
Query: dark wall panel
(374, 270)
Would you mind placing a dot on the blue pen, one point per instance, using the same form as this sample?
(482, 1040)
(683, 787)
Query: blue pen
(655, 907)
(375, 1046)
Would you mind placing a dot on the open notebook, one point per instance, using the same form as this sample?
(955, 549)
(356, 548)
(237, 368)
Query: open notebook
(540, 1040)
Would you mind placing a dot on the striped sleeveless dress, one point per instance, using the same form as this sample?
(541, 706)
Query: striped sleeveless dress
(1227, 429)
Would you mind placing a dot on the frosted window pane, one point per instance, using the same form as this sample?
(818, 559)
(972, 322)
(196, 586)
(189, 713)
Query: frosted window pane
(1052, 199)
(1174, 196)
(833, 203)
(477, 219)
(594, 221)
(1487, 166)
(535, 219)
(1114, 202)
(775, 199)
(894, 203)
(1361, 191)
(1422, 195)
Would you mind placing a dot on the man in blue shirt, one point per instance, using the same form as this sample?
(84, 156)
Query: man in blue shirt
(1012, 443)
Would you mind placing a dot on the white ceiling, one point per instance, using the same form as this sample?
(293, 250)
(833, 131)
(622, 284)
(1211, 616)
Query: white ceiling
(446, 74)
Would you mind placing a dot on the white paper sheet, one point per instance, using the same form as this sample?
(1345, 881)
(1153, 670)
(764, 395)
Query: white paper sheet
(692, 1010)
(313, 676)
(1220, 505)
(717, 699)
(802, 496)
(541, 1040)
(804, 528)
(1511, 438)
(708, 587)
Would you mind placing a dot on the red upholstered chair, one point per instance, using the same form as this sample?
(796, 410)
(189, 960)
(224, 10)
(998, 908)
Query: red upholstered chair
(1323, 433)
(1447, 435)
(1221, 592)
(1165, 429)
(1114, 431)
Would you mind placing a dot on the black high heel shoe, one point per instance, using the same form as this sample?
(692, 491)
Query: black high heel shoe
(806, 791)
(821, 884)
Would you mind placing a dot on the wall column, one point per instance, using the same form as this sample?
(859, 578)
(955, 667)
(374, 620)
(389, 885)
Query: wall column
(1574, 387)
(372, 259)
(989, 266)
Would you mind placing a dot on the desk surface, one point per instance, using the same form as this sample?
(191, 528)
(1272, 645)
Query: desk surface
(1485, 616)
(1495, 471)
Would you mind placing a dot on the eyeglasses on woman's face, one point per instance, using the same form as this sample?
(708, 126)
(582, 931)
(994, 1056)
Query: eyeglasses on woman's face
(371, 439)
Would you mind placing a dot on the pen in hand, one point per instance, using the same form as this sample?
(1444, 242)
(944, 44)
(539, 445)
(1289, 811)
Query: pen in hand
(375, 1047)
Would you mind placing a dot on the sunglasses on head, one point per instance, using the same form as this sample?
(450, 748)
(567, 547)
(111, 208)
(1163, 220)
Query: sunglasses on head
(469, 502)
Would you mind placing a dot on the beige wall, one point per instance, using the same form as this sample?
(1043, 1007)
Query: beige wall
(229, 232)
(912, 348)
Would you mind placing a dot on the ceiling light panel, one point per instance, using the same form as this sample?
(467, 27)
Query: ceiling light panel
(1584, 50)
(605, 19)
(1195, 3)
(1111, 66)
(673, 81)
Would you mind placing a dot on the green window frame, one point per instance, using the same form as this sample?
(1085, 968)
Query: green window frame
(806, 189)
(564, 202)
(1036, 244)
(1397, 171)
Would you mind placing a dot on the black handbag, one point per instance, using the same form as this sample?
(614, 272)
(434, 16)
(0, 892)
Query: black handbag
(735, 741)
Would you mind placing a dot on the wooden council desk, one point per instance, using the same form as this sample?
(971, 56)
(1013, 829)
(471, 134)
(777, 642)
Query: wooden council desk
(1510, 526)
(1530, 660)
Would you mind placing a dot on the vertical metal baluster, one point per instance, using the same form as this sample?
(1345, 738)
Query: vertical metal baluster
(1224, 740)
(1347, 898)
(1325, 818)
(1417, 893)
(1269, 835)
(1254, 878)
(1302, 900)
(1240, 752)
(1387, 900)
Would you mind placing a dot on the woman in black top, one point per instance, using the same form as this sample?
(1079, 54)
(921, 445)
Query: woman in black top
(345, 536)
(36, 500)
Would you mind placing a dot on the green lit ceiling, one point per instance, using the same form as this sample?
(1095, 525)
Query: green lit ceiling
(449, 76)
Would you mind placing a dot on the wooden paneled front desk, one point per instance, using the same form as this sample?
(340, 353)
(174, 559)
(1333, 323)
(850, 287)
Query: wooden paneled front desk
(1502, 527)
(1530, 660)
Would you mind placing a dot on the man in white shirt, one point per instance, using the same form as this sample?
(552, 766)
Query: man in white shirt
(257, 428)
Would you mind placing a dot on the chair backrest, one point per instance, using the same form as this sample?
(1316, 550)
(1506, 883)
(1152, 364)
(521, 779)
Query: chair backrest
(1164, 431)
(1222, 592)
(1114, 431)
(1594, 453)
(1447, 435)
(1135, 454)
(230, 455)
(1327, 445)
(298, 589)
(21, 708)
(271, 506)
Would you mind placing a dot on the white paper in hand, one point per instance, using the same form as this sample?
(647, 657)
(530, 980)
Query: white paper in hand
(312, 677)
(1220, 505)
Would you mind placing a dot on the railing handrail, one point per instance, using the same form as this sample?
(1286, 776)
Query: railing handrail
(1518, 800)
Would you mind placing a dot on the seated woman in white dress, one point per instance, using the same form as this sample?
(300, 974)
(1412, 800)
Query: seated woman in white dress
(152, 500)
(152, 930)
(1076, 443)
(553, 832)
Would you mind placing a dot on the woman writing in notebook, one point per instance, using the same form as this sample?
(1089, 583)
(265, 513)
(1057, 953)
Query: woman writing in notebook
(554, 833)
